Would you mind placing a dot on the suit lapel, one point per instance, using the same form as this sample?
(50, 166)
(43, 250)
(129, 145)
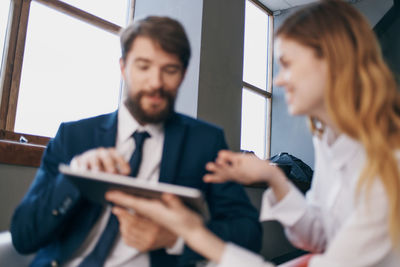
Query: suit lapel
(175, 131)
(106, 134)
(173, 142)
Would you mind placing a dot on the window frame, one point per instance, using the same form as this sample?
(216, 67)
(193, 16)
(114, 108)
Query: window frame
(12, 150)
(267, 94)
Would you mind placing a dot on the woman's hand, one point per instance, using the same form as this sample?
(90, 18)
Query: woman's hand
(174, 216)
(246, 169)
(170, 212)
(238, 167)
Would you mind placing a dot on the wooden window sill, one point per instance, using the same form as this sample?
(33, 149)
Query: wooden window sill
(13, 151)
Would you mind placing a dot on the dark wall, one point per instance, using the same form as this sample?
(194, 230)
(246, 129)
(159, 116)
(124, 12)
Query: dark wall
(390, 43)
(14, 182)
(221, 66)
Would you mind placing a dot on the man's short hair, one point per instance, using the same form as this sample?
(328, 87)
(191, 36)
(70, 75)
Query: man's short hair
(167, 32)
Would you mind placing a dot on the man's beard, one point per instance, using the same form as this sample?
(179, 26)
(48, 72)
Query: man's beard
(141, 115)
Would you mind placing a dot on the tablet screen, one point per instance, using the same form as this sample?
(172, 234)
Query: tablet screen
(93, 185)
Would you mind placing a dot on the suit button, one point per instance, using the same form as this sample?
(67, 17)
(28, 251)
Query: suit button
(54, 212)
(54, 263)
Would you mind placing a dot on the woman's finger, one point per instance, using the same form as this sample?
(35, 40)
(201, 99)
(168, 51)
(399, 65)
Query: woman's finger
(212, 178)
(172, 201)
(124, 200)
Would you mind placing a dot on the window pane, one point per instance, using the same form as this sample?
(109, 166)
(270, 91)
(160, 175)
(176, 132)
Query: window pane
(70, 71)
(115, 11)
(255, 46)
(254, 110)
(4, 9)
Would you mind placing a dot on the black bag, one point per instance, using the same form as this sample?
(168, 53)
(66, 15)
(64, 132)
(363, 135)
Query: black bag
(298, 172)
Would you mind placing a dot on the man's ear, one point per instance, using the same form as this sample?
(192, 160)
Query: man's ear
(122, 67)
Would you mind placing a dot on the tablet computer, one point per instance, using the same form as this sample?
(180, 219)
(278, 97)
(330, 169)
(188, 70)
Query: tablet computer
(93, 185)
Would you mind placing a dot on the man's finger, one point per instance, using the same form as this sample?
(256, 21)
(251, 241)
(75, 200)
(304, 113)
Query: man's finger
(121, 165)
(107, 160)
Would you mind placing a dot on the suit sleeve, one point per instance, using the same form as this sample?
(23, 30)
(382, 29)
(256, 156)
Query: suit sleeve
(49, 202)
(232, 217)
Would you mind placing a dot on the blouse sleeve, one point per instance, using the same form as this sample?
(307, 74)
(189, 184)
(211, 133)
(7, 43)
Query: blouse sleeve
(364, 239)
(235, 256)
(302, 221)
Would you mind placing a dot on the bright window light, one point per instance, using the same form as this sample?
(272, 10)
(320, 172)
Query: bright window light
(70, 71)
(255, 73)
(254, 110)
(115, 11)
(4, 10)
(255, 57)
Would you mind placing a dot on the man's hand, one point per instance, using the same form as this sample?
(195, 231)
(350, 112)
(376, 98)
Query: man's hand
(101, 159)
(142, 233)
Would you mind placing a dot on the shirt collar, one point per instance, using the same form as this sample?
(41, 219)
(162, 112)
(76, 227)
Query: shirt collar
(340, 150)
(127, 125)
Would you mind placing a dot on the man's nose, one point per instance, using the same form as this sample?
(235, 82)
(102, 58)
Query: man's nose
(155, 79)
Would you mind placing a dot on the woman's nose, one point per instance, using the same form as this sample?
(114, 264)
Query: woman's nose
(278, 80)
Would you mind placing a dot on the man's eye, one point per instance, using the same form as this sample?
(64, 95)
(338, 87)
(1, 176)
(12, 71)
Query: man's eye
(171, 70)
(142, 66)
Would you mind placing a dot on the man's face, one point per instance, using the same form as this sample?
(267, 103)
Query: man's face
(153, 77)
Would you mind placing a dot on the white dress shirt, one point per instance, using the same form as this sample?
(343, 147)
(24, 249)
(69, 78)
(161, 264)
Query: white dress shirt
(331, 221)
(122, 255)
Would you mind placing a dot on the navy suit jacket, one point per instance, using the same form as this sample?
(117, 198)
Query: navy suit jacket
(53, 219)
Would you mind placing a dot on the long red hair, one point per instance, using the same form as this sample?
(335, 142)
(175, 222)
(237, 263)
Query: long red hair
(361, 94)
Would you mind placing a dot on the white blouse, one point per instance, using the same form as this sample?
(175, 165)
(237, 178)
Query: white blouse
(345, 230)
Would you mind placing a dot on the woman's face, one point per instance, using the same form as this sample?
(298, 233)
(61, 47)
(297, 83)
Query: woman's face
(303, 76)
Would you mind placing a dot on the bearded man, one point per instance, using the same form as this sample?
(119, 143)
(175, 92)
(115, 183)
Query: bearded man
(65, 229)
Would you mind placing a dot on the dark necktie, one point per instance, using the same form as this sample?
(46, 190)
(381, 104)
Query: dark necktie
(136, 158)
(99, 254)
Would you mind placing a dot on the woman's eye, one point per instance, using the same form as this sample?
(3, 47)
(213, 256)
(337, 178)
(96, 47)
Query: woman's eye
(284, 64)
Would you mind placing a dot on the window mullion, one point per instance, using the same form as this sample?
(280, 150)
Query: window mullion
(269, 86)
(257, 90)
(263, 7)
(8, 59)
(15, 40)
(132, 4)
(81, 15)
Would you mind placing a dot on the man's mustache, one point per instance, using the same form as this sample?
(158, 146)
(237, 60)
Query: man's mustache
(158, 92)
